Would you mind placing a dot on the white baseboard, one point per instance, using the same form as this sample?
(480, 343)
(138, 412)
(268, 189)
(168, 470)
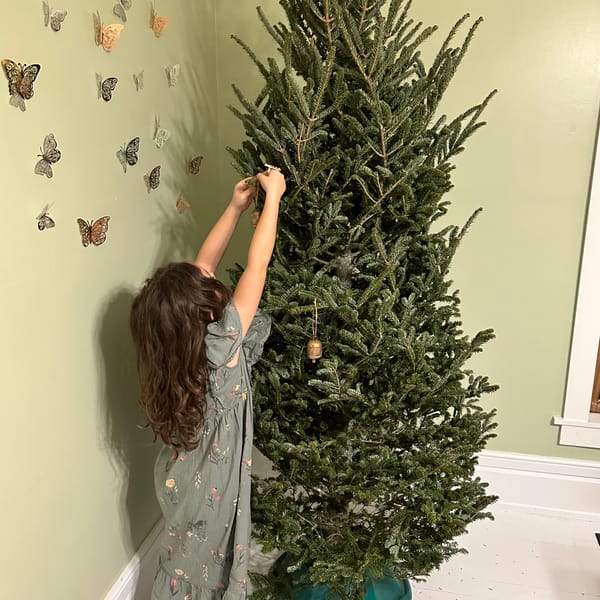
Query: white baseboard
(523, 482)
(552, 485)
(135, 582)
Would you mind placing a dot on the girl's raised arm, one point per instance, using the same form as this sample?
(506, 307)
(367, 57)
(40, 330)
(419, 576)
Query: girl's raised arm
(250, 286)
(217, 240)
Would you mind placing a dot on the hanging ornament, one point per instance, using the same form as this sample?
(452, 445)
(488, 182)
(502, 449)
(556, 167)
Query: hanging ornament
(314, 348)
(255, 218)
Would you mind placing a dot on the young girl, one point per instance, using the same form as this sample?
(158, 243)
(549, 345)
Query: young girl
(195, 345)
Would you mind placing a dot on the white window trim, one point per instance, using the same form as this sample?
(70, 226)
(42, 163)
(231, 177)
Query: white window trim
(578, 427)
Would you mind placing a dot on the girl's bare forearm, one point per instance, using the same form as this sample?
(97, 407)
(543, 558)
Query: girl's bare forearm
(263, 240)
(217, 240)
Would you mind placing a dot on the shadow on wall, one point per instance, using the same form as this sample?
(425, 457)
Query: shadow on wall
(129, 445)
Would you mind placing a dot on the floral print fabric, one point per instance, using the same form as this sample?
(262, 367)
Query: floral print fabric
(205, 494)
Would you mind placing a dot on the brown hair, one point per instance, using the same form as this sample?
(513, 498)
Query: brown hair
(168, 324)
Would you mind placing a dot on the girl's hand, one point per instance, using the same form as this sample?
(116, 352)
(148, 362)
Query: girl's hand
(272, 181)
(243, 194)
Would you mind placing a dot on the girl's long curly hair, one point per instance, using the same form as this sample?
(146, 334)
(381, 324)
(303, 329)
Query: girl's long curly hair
(168, 323)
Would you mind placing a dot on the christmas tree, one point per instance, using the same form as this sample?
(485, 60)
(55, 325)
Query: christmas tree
(375, 443)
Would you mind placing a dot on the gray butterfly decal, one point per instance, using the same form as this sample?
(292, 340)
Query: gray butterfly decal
(128, 154)
(152, 179)
(138, 80)
(119, 11)
(106, 87)
(120, 8)
(53, 17)
(161, 135)
(173, 74)
(194, 165)
(131, 151)
(50, 155)
(44, 220)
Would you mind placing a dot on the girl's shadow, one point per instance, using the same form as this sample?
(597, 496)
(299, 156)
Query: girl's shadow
(127, 443)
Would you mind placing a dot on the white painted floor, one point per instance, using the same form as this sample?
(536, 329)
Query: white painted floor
(521, 555)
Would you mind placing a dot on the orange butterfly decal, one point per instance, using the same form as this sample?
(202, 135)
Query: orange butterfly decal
(182, 205)
(93, 232)
(158, 23)
(107, 36)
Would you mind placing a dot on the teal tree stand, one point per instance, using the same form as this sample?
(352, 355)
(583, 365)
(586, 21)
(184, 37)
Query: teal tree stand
(387, 588)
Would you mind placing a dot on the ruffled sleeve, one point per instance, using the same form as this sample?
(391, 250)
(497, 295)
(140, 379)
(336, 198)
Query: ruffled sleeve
(224, 337)
(255, 337)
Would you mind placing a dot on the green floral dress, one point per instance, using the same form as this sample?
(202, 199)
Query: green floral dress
(205, 494)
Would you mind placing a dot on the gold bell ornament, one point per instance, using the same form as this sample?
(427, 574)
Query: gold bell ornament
(314, 347)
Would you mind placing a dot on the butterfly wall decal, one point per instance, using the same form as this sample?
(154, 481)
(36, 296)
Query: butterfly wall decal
(173, 74)
(128, 155)
(107, 36)
(106, 87)
(194, 165)
(152, 179)
(20, 81)
(93, 232)
(50, 155)
(161, 135)
(53, 17)
(181, 204)
(158, 23)
(119, 11)
(120, 8)
(44, 220)
(138, 80)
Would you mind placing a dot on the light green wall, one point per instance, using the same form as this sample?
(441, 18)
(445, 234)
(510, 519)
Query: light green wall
(529, 168)
(77, 495)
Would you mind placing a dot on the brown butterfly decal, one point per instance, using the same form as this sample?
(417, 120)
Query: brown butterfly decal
(182, 205)
(20, 81)
(93, 232)
(107, 36)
